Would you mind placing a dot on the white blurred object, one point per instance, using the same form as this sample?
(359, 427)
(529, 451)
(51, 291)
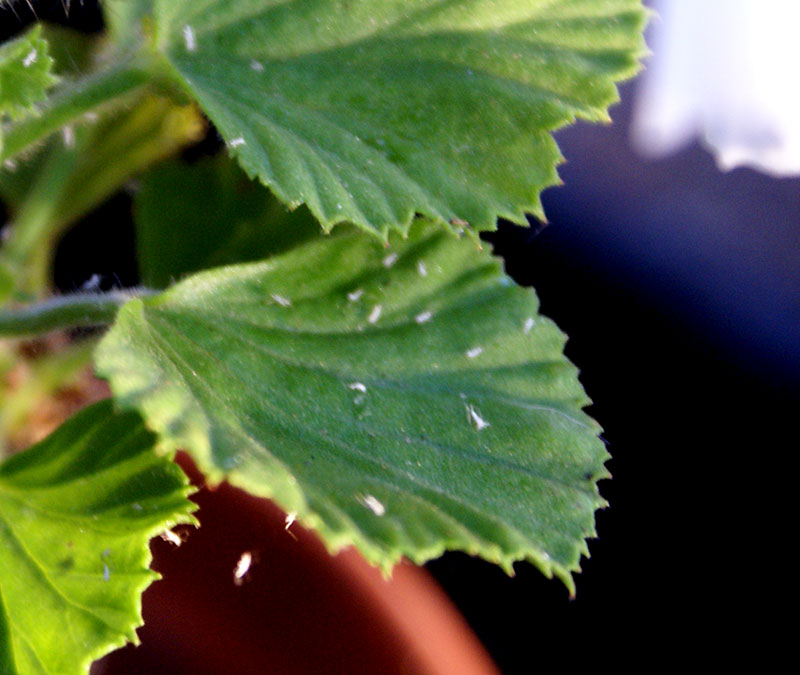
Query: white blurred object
(729, 72)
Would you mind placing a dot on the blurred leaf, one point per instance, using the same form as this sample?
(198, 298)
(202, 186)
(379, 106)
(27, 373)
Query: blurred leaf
(228, 218)
(407, 400)
(61, 183)
(25, 74)
(76, 514)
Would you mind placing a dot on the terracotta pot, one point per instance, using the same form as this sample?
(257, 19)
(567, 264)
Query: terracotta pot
(297, 609)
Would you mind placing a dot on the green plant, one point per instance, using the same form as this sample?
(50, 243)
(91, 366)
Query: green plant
(386, 384)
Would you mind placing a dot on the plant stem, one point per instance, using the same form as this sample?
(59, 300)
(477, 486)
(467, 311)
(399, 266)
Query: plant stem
(75, 100)
(66, 311)
(26, 250)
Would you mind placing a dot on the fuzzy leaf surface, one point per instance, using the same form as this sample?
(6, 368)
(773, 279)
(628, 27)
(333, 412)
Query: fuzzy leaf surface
(406, 400)
(370, 111)
(76, 514)
(25, 74)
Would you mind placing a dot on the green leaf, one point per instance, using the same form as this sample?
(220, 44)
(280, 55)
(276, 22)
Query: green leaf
(370, 111)
(229, 219)
(76, 514)
(25, 74)
(407, 400)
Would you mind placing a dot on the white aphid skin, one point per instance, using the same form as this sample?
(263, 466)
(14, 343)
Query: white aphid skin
(106, 569)
(373, 504)
(256, 65)
(528, 325)
(355, 295)
(423, 317)
(189, 38)
(92, 283)
(375, 314)
(30, 58)
(358, 386)
(475, 419)
(390, 260)
(236, 142)
(171, 537)
(242, 567)
(423, 271)
(283, 302)
(69, 136)
(474, 352)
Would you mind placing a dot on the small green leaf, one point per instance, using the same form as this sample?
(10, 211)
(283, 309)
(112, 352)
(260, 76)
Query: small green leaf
(370, 111)
(229, 218)
(407, 400)
(76, 514)
(25, 74)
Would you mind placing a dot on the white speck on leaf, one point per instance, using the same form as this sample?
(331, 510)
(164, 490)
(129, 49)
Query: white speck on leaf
(372, 504)
(358, 386)
(242, 567)
(236, 142)
(136, 506)
(30, 58)
(423, 317)
(390, 260)
(256, 65)
(474, 352)
(283, 302)
(423, 271)
(355, 295)
(528, 325)
(69, 136)
(106, 569)
(189, 38)
(375, 314)
(475, 419)
(290, 518)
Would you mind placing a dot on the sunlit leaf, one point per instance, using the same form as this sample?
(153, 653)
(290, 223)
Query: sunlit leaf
(76, 514)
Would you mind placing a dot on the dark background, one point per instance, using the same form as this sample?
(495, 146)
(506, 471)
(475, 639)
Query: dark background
(679, 287)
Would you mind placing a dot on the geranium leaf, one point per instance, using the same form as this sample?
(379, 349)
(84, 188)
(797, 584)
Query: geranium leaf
(407, 400)
(25, 74)
(370, 111)
(76, 514)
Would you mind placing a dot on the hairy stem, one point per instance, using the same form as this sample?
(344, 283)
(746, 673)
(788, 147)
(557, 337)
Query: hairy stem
(73, 101)
(66, 311)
